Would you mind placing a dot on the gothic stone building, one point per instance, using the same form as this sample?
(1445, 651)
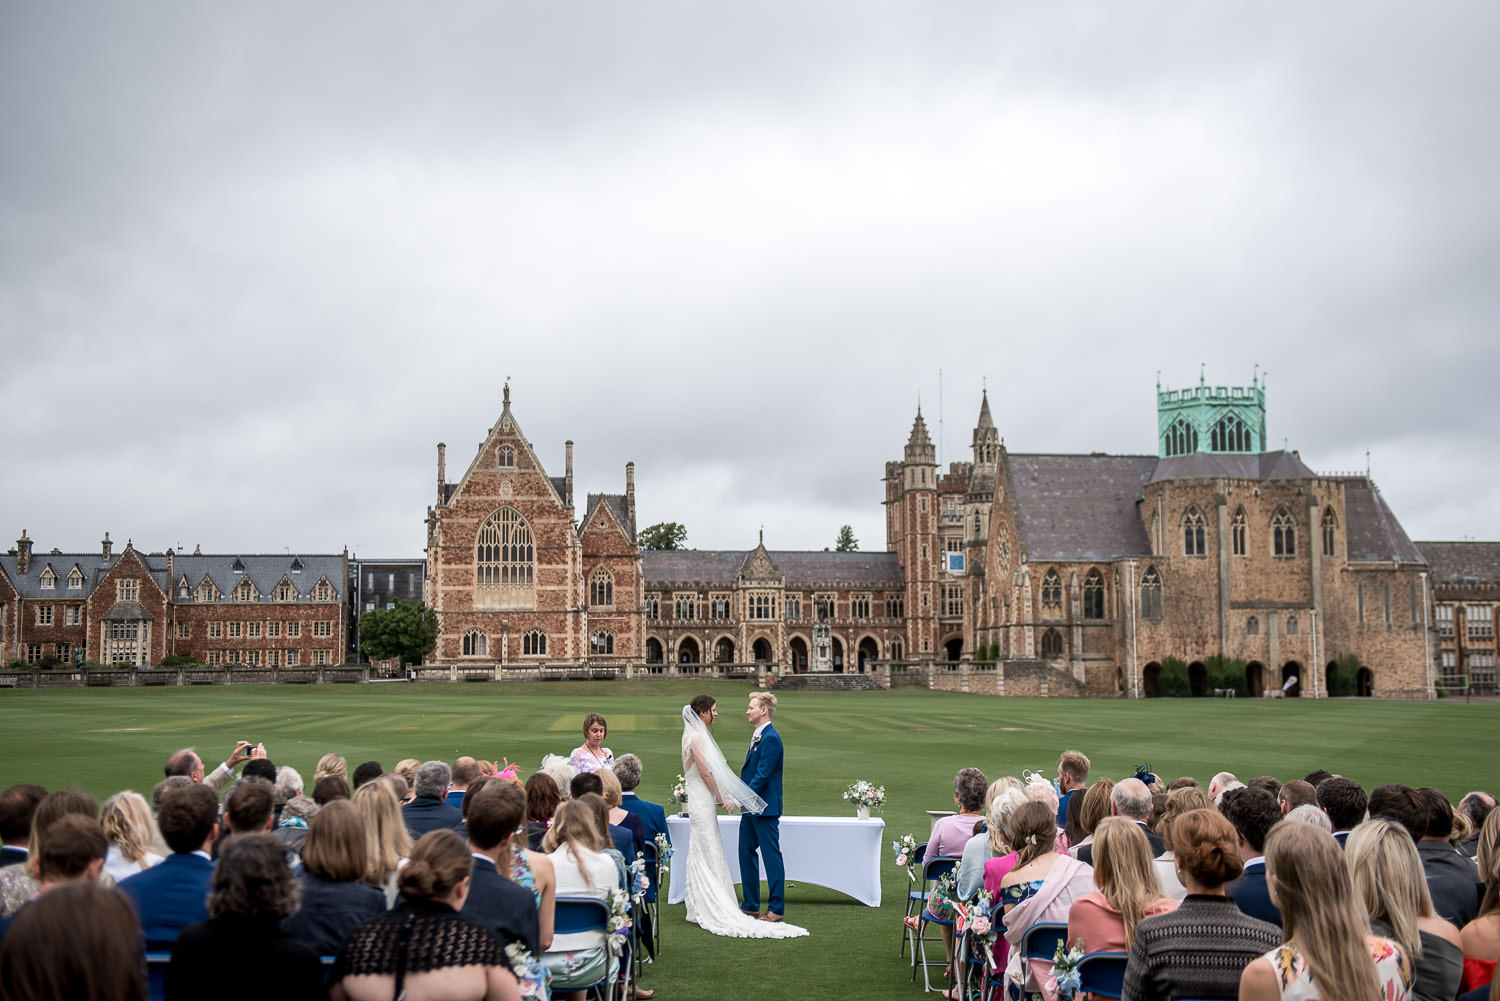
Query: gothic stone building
(1106, 565)
(137, 608)
(1465, 593)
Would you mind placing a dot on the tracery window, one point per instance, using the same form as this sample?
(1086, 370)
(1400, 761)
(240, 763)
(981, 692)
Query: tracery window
(1093, 595)
(476, 644)
(507, 457)
(1283, 534)
(1237, 532)
(1192, 533)
(718, 607)
(1252, 626)
(762, 606)
(534, 644)
(685, 606)
(505, 551)
(1151, 607)
(653, 607)
(602, 588)
(1052, 643)
(1229, 435)
(602, 643)
(859, 606)
(1052, 589)
(1182, 438)
(1330, 532)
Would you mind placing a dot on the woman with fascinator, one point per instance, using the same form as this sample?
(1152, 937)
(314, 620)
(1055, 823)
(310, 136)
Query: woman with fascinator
(710, 897)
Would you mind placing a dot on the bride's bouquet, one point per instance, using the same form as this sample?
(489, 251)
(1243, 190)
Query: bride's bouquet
(865, 794)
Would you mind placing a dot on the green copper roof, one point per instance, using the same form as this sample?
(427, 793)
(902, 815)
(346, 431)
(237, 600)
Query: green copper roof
(1215, 419)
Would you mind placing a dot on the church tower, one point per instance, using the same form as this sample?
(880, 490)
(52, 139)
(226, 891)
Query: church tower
(1217, 419)
(911, 516)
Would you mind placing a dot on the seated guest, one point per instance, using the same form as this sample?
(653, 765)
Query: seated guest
(1403, 805)
(560, 771)
(18, 883)
(79, 941)
(1073, 832)
(1476, 806)
(428, 811)
(951, 833)
(368, 771)
(495, 901)
(1311, 813)
(1179, 801)
(1072, 776)
(425, 947)
(288, 786)
(291, 827)
(407, 769)
(260, 768)
(1039, 790)
(71, 850)
(1198, 950)
(1329, 952)
(387, 842)
(241, 952)
(618, 815)
(131, 832)
(578, 959)
(1269, 783)
(1106, 918)
(335, 858)
(1295, 793)
(329, 788)
(1041, 887)
(331, 765)
(17, 807)
(1002, 815)
(1388, 878)
(1132, 800)
(248, 808)
(542, 799)
(1182, 782)
(1252, 812)
(1221, 783)
(1316, 776)
(1452, 879)
(171, 782)
(623, 840)
(1094, 808)
(1481, 937)
(653, 818)
(1344, 801)
(609, 846)
(187, 762)
(465, 770)
(170, 896)
(989, 843)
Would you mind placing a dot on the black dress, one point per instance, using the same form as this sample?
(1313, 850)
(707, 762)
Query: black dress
(419, 936)
(242, 957)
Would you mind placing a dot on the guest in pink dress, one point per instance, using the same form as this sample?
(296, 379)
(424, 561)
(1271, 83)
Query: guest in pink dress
(1128, 890)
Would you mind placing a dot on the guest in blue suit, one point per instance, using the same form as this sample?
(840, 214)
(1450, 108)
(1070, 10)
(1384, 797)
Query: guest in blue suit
(427, 811)
(1252, 812)
(496, 812)
(652, 817)
(761, 833)
(17, 807)
(170, 896)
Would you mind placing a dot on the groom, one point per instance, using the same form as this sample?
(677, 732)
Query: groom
(762, 832)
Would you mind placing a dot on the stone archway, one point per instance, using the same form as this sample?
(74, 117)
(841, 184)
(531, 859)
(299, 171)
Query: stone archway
(869, 652)
(798, 647)
(1364, 683)
(1151, 680)
(1255, 679)
(1291, 679)
(954, 648)
(838, 655)
(653, 650)
(1330, 678)
(724, 651)
(761, 650)
(688, 652)
(1197, 679)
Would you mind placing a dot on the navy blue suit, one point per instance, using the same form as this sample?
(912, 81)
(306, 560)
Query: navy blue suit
(170, 896)
(330, 911)
(762, 833)
(425, 814)
(623, 841)
(503, 906)
(653, 822)
(1253, 896)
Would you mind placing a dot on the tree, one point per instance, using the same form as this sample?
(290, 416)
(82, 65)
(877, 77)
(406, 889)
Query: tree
(662, 535)
(846, 542)
(407, 631)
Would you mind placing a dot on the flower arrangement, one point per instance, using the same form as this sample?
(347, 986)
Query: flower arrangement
(974, 917)
(1065, 970)
(865, 794)
(663, 849)
(529, 970)
(619, 920)
(905, 850)
(679, 790)
(639, 881)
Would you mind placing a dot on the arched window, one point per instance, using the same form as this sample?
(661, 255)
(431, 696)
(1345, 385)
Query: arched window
(1051, 643)
(505, 550)
(1151, 594)
(602, 587)
(1052, 589)
(1181, 438)
(1291, 625)
(1229, 435)
(1330, 531)
(1093, 595)
(896, 649)
(1252, 626)
(476, 644)
(601, 644)
(976, 524)
(1283, 535)
(507, 456)
(1237, 532)
(1192, 533)
(244, 591)
(534, 644)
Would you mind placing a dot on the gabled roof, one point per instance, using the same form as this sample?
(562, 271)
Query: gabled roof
(1454, 563)
(28, 585)
(1373, 533)
(265, 572)
(617, 506)
(1079, 507)
(721, 567)
(1257, 466)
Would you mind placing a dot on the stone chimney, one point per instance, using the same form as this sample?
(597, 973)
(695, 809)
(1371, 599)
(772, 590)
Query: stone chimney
(23, 553)
(568, 473)
(106, 547)
(172, 574)
(630, 495)
(442, 469)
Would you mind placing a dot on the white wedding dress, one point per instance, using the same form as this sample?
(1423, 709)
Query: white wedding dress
(710, 898)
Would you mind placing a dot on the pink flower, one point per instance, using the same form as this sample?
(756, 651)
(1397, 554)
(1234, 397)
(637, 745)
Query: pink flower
(981, 926)
(900, 859)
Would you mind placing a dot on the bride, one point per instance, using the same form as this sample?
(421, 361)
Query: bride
(710, 897)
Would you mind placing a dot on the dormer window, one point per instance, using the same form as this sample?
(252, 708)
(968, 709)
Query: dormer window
(323, 592)
(238, 565)
(296, 564)
(75, 579)
(49, 579)
(244, 591)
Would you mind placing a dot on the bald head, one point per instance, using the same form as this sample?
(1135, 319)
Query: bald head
(1130, 798)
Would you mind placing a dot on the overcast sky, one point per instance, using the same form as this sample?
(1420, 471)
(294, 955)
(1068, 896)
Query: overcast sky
(256, 260)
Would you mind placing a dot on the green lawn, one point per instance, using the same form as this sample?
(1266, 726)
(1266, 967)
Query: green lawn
(912, 741)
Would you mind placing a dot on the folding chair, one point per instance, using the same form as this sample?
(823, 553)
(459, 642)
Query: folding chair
(933, 869)
(580, 914)
(157, 961)
(1040, 941)
(976, 959)
(915, 899)
(653, 907)
(1102, 973)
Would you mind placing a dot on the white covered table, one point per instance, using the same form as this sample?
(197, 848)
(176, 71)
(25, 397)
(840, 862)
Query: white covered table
(841, 853)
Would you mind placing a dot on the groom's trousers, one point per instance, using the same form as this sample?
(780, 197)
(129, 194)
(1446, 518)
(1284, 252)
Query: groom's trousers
(762, 835)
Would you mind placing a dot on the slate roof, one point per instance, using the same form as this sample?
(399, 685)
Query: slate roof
(721, 567)
(1259, 466)
(29, 585)
(1080, 507)
(1373, 533)
(1453, 562)
(560, 484)
(617, 506)
(265, 572)
(127, 611)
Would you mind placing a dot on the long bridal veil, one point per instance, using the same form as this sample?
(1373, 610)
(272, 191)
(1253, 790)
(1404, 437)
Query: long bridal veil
(696, 738)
